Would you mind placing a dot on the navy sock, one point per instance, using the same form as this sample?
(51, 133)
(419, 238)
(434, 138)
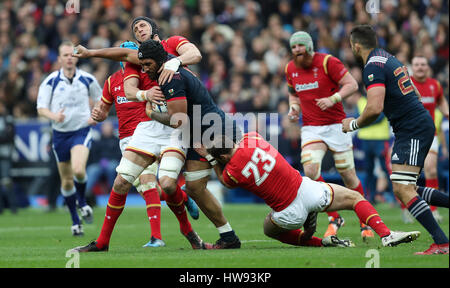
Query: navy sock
(72, 205)
(421, 211)
(81, 192)
(433, 196)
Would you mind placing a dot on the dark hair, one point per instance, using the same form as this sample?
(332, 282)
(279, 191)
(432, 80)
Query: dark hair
(155, 29)
(364, 35)
(221, 145)
(152, 49)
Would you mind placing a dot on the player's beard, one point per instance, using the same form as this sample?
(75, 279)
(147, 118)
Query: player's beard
(153, 75)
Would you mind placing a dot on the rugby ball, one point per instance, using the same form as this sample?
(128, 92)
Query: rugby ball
(160, 108)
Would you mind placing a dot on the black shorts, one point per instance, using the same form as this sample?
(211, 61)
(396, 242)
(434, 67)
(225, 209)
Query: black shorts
(413, 139)
(229, 128)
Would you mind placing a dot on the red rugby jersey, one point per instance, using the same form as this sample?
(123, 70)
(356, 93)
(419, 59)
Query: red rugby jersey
(431, 92)
(318, 81)
(259, 168)
(129, 113)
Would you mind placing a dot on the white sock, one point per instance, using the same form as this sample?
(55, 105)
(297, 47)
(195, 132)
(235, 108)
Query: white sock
(225, 228)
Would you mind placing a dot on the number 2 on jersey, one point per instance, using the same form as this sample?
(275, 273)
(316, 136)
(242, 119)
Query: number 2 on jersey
(252, 166)
(405, 78)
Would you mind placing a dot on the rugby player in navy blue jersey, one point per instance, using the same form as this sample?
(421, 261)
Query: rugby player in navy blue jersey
(391, 91)
(186, 96)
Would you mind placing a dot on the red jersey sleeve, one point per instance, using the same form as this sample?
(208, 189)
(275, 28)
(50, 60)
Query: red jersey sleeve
(175, 42)
(440, 92)
(228, 178)
(288, 77)
(131, 71)
(106, 95)
(334, 68)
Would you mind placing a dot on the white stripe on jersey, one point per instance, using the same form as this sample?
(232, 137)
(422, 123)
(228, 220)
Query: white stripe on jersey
(377, 59)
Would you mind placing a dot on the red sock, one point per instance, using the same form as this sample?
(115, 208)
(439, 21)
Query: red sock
(359, 189)
(153, 205)
(432, 183)
(115, 206)
(334, 214)
(369, 216)
(293, 237)
(176, 204)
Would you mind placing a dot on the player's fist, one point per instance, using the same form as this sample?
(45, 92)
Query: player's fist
(98, 114)
(59, 117)
(155, 95)
(324, 103)
(346, 127)
(81, 52)
(294, 113)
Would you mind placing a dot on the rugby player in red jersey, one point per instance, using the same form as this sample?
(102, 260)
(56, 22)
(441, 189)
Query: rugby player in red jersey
(255, 165)
(129, 115)
(432, 97)
(317, 83)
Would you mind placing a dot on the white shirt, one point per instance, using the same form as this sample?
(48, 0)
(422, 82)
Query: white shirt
(56, 92)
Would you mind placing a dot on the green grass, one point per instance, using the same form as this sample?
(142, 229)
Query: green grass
(37, 239)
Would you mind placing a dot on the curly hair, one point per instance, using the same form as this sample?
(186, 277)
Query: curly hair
(152, 49)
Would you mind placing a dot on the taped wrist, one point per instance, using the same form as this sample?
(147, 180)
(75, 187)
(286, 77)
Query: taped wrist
(335, 98)
(140, 96)
(211, 159)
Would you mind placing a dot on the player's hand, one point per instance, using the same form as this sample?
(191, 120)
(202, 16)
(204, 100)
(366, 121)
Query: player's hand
(148, 109)
(168, 70)
(98, 114)
(59, 117)
(200, 149)
(346, 124)
(91, 122)
(155, 95)
(324, 103)
(293, 115)
(81, 52)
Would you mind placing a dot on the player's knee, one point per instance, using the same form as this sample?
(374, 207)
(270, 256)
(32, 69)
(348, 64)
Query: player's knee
(129, 171)
(121, 185)
(344, 161)
(168, 185)
(67, 184)
(312, 160)
(312, 171)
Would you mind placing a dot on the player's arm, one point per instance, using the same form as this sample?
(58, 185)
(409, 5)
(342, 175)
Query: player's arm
(176, 115)
(218, 169)
(46, 113)
(373, 109)
(442, 105)
(189, 54)
(348, 86)
(133, 93)
(113, 53)
(294, 106)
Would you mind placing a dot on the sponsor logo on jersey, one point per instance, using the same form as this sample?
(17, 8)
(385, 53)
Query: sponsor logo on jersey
(294, 75)
(121, 100)
(427, 99)
(305, 87)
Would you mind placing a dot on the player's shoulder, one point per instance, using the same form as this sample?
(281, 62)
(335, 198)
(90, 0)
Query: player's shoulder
(289, 66)
(378, 58)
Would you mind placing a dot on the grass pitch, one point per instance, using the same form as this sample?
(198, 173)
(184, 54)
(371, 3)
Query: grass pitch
(37, 239)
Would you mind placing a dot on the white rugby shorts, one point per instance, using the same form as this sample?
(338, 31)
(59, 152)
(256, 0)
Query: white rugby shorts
(153, 138)
(331, 135)
(312, 196)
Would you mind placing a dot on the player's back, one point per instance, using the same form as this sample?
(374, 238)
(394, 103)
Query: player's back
(258, 167)
(401, 103)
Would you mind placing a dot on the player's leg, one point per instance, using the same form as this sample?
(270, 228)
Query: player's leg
(197, 175)
(70, 198)
(404, 179)
(311, 159)
(172, 161)
(346, 199)
(431, 178)
(79, 155)
(345, 166)
(131, 166)
(147, 186)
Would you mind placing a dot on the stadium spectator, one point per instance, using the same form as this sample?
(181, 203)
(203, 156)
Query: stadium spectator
(104, 157)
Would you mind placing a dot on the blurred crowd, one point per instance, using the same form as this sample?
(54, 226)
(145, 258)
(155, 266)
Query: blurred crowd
(244, 43)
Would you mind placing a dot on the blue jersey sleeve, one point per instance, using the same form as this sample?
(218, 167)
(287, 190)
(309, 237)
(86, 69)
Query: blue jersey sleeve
(374, 75)
(175, 89)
